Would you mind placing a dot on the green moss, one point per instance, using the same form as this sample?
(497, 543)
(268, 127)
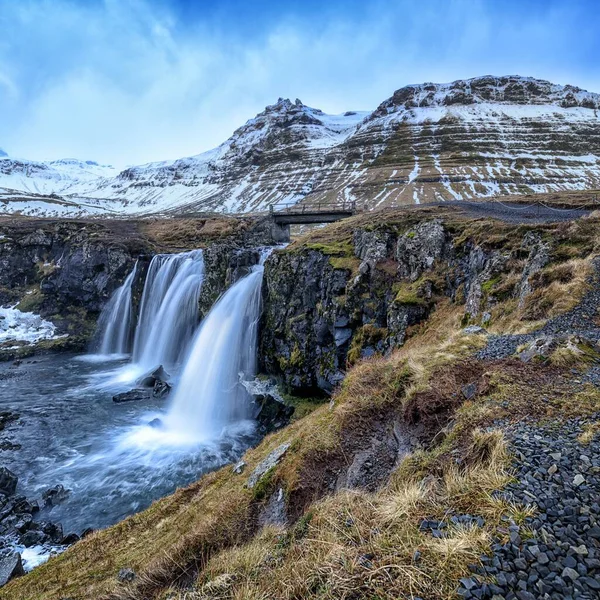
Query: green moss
(32, 301)
(264, 485)
(295, 361)
(409, 296)
(487, 286)
(367, 335)
(414, 293)
(303, 406)
(347, 263)
(341, 248)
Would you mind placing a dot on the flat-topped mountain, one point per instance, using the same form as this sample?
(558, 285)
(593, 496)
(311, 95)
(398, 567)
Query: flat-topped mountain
(429, 142)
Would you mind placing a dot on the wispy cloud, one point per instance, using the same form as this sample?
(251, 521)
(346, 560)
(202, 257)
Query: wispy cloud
(128, 81)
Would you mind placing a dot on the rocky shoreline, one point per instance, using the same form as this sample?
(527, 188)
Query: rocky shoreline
(25, 524)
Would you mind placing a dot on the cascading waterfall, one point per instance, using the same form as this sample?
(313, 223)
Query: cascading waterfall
(115, 323)
(209, 395)
(169, 309)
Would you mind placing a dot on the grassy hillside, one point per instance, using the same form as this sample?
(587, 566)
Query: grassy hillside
(450, 408)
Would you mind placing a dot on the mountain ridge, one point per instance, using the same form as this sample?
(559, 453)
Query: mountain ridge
(466, 139)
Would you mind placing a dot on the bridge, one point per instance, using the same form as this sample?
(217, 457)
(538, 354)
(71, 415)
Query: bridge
(288, 213)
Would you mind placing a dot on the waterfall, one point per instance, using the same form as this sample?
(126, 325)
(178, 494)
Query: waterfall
(169, 308)
(209, 395)
(114, 323)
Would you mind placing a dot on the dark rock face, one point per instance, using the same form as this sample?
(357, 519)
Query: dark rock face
(224, 264)
(8, 482)
(272, 413)
(327, 306)
(65, 271)
(321, 312)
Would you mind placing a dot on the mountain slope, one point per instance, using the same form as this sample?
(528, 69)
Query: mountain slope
(429, 142)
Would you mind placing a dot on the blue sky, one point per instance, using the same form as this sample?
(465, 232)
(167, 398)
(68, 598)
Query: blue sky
(130, 81)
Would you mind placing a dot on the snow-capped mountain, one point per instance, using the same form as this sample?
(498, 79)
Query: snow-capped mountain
(467, 139)
(34, 187)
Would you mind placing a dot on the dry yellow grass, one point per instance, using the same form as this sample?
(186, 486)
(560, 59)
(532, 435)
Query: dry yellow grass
(358, 545)
(348, 544)
(590, 431)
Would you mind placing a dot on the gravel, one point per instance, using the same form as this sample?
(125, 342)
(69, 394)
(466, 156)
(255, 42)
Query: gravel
(578, 321)
(556, 553)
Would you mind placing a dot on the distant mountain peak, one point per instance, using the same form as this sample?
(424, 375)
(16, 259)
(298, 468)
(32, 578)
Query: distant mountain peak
(3, 154)
(508, 89)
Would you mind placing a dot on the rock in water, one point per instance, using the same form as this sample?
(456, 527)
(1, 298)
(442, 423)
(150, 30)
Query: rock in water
(8, 482)
(152, 377)
(161, 389)
(133, 395)
(10, 566)
(55, 495)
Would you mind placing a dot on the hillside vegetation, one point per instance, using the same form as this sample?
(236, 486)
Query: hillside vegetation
(403, 483)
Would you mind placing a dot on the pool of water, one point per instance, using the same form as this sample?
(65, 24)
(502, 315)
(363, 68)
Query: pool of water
(106, 454)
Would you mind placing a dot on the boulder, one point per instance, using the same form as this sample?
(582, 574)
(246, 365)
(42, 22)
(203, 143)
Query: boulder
(33, 538)
(152, 377)
(53, 530)
(239, 467)
(133, 395)
(474, 330)
(10, 566)
(268, 463)
(56, 495)
(69, 539)
(273, 413)
(156, 424)
(126, 575)
(8, 482)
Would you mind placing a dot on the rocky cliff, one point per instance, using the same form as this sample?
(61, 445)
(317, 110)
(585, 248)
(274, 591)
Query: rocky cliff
(65, 271)
(361, 287)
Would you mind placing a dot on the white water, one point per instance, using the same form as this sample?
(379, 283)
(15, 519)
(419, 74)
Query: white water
(169, 309)
(115, 320)
(209, 395)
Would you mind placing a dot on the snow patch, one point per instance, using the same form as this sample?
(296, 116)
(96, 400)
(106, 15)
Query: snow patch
(18, 326)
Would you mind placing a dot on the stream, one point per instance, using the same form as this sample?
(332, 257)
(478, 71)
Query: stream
(72, 433)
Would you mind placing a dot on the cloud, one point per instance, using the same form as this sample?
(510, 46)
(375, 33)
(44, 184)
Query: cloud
(129, 81)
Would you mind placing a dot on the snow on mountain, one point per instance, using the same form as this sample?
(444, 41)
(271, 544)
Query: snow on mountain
(241, 174)
(462, 140)
(49, 177)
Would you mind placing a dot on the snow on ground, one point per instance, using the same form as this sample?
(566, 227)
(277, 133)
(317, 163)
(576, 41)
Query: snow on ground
(17, 326)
